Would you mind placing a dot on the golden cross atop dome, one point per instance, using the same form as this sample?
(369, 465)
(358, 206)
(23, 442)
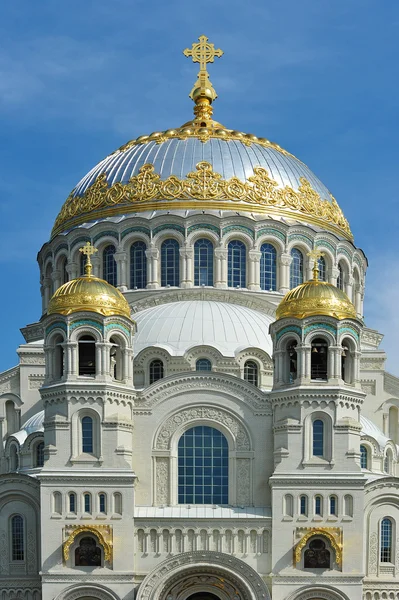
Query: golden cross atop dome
(315, 255)
(88, 250)
(203, 52)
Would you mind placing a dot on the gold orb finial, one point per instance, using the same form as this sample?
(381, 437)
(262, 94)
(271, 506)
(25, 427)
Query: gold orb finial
(88, 250)
(203, 92)
(315, 255)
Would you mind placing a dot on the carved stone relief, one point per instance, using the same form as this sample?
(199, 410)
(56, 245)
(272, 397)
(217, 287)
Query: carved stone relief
(3, 553)
(373, 552)
(162, 480)
(212, 414)
(243, 481)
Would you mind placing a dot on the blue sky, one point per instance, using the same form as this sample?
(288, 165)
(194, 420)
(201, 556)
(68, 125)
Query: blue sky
(80, 78)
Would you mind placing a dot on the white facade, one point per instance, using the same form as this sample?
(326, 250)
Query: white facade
(95, 488)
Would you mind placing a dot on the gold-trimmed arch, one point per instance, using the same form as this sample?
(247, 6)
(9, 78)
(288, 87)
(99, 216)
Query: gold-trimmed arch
(103, 534)
(323, 532)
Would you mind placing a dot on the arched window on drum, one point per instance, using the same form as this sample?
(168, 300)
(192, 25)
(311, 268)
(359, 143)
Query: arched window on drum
(251, 372)
(203, 467)
(296, 268)
(237, 264)
(268, 268)
(321, 263)
(138, 266)
(170, 263)
(203, 262)
(109, 265)
(203, 364)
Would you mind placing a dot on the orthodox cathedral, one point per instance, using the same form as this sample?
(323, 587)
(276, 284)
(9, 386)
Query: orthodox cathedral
(200, 412)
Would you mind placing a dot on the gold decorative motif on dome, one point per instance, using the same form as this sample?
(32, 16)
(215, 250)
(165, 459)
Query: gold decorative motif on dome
(202, 189)
(333, 535)
(196, 129)
(103, 534)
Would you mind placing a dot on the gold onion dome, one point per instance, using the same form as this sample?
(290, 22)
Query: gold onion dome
(202, 165)
(316, 298)
(88, 293)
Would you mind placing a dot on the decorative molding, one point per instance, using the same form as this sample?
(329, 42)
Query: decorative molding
(243, 475)
(103, 533)
(162, 480)
(333, 535)
(227, 384)
(210, 413)
(368, 386)
(247, 582)
(229, 296)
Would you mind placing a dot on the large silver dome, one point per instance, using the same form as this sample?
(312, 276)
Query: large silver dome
(179, 157)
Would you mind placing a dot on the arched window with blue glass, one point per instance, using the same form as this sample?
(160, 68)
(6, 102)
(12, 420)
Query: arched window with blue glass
(237, 264)
(203, 364)
(203, 467)
(109, 265)
(203, 262)
(363, 456)
(321, 263)
(386, 540)
(170, 263)
(87, 435)
(268, 267)
(296, 268)
(318, 437)
(138, 265)
(340, 278)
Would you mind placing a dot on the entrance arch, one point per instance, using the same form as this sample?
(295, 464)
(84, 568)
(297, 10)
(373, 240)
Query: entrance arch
(203, 576)
(318, 593)
(87, 592)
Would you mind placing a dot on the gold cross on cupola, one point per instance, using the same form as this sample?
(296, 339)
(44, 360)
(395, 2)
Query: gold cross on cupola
(88, 250)
(203, 52)
(315, 255)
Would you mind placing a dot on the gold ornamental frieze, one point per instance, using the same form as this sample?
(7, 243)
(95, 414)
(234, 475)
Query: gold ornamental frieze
(202, 189)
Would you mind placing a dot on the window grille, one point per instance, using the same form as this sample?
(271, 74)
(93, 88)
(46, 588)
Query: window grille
(203, 262)
(386, 540)
(203, 467)
(268, 267)
(17, 538)
(87, 435)
(318, 437)
(251, 372)
(170, 263)
(296, 268)
(156, 370)
(109, 265)
(138, 265)
(237, 264)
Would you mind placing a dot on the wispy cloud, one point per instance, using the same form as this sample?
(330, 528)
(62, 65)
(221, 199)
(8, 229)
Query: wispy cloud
(381, 306)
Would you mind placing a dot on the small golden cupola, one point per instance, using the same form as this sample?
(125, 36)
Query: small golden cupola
(88, 293)
(316, 298)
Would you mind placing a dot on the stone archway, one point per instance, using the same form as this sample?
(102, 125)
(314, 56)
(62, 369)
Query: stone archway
(87, 592)
(212, 575)
(318, 593)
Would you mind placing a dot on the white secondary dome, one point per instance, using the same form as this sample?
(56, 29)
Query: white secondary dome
(179, 326)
